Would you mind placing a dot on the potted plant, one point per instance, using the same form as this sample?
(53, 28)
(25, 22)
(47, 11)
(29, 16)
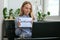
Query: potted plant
(12, 14)
(42, 16)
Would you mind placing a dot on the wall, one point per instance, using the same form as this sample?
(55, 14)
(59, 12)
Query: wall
(1, 17)
(14, 4)
(17, 3)
(59, 7)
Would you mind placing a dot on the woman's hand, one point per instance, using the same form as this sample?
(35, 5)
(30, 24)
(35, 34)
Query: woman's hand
(19, 24)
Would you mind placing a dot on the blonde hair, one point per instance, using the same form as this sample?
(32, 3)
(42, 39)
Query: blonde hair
(21, 11)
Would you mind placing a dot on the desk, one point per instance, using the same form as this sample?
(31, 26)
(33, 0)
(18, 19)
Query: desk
(46, 29)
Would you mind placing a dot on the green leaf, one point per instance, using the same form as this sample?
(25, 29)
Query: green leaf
(48, 13)
(5, 12)
(10, 11)
(17, 11)
(44, 15)
(39, 14)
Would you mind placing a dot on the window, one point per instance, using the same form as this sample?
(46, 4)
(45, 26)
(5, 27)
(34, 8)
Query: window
(53, 7)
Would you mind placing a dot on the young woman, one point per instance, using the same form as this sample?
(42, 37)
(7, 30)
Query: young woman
(25, 12)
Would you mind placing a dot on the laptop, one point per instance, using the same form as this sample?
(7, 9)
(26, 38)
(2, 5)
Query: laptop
(45, 29)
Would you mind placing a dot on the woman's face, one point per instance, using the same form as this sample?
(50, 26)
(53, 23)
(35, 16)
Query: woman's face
(27, 9)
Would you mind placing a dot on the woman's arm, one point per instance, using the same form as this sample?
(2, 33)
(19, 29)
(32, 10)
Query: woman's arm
(18, 23)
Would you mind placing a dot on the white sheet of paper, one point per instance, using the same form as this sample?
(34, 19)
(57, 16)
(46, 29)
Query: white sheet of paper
(25, 22)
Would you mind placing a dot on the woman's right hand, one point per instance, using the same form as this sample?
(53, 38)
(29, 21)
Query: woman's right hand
(19, 24)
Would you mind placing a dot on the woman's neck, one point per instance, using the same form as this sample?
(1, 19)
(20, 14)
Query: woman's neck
(26, 15)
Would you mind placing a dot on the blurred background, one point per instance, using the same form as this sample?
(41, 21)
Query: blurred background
(53, 6)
